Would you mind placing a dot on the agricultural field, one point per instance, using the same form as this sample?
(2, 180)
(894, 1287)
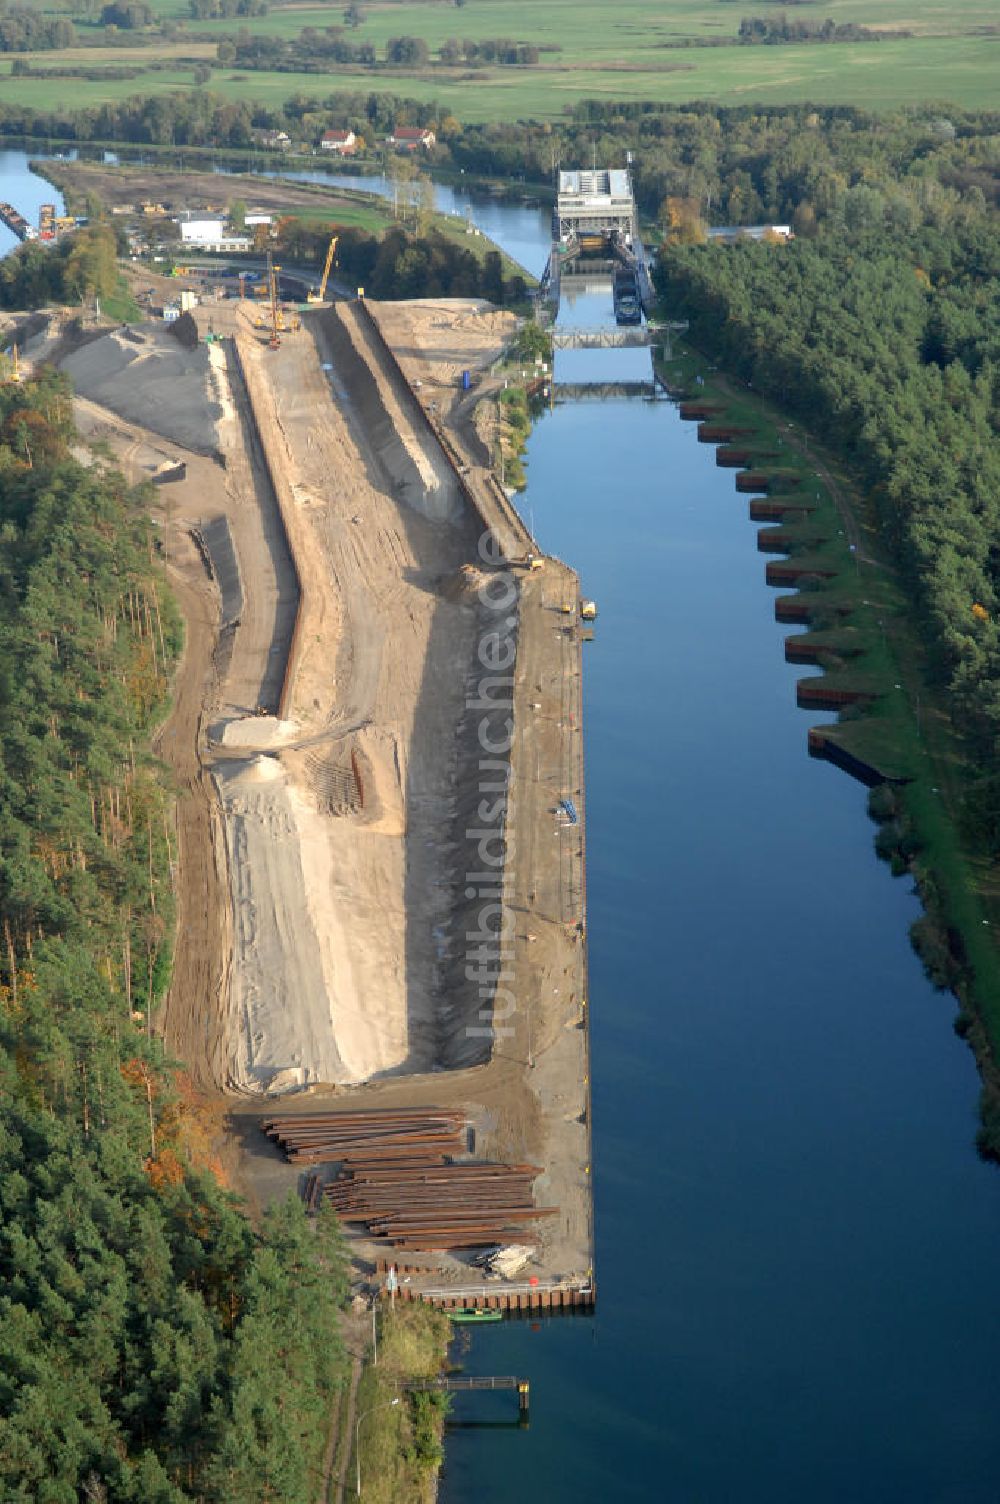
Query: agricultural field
(665, 50)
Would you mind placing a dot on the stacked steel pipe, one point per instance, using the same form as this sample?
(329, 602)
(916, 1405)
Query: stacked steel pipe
(396, 1182)
(463, 1205)
(371, 1136)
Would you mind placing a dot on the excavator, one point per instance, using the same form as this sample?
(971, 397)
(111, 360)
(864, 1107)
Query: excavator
(319, 295)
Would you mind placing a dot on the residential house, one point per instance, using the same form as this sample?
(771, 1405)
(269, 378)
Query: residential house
(343, 142)
(411, 138)
(273, 140)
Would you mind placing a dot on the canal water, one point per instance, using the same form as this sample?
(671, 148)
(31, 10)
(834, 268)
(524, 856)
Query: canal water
(26, 191)
(796, 1244)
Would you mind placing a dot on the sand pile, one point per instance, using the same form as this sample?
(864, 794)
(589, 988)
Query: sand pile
(157, 383)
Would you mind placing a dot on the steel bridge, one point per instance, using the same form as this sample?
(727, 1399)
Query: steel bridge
(632, 338)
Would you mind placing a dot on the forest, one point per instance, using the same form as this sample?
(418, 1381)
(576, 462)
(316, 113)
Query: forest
(886, 342)
(80, 266)
(154, 1346)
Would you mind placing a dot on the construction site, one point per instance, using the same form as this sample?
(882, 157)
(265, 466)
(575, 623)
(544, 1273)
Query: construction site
(376, 741)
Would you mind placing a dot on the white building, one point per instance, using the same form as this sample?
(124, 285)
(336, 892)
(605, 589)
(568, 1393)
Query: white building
(210, 235)
(198, 231)
(344, 142)
(729, 234)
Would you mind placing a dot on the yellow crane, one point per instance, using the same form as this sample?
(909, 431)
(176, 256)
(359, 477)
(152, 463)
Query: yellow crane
(320, 294)
(277, 321)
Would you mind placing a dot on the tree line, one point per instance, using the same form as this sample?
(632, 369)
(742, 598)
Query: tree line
(403, 264)
(888, 346)
(318, 50)
(23, 29)
(213, 10)
(154, 1347)
(778, 29)
(198, 118)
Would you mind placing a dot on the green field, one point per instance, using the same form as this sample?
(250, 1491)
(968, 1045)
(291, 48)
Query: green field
(630, 50)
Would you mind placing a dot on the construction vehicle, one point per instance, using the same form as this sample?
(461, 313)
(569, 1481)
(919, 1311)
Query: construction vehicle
(277, 321)
(319, 295)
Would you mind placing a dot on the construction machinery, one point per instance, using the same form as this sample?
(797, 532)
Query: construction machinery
(319, 295)
(277, 319)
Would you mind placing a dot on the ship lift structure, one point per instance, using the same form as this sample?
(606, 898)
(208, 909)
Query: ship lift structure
(595, 232)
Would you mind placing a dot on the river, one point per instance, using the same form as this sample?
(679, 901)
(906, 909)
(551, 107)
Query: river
(26, 191)
(796, 1244)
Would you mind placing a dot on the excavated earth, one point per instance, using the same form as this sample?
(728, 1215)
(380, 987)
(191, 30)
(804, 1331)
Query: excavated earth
(328, 561)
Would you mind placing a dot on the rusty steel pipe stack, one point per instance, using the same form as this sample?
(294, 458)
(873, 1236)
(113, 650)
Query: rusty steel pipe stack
(389, 1135)
(452, 1206)
(400, 1180)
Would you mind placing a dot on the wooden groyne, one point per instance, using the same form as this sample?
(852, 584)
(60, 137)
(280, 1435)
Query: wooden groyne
(823, 744)
(817, 694)
(792, 534)
(790, 571)
(778, 509)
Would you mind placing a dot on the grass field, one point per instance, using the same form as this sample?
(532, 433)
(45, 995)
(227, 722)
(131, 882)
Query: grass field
(629, 50)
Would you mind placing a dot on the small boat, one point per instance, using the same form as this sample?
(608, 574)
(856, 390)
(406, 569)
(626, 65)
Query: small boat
(476, 1316)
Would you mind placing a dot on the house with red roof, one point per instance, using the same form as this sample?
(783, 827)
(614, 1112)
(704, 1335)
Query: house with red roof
(344, 142)
(411, 138)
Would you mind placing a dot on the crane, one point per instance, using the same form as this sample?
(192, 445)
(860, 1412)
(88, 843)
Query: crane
(319, 295)
(277, 322)
(12, 366)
